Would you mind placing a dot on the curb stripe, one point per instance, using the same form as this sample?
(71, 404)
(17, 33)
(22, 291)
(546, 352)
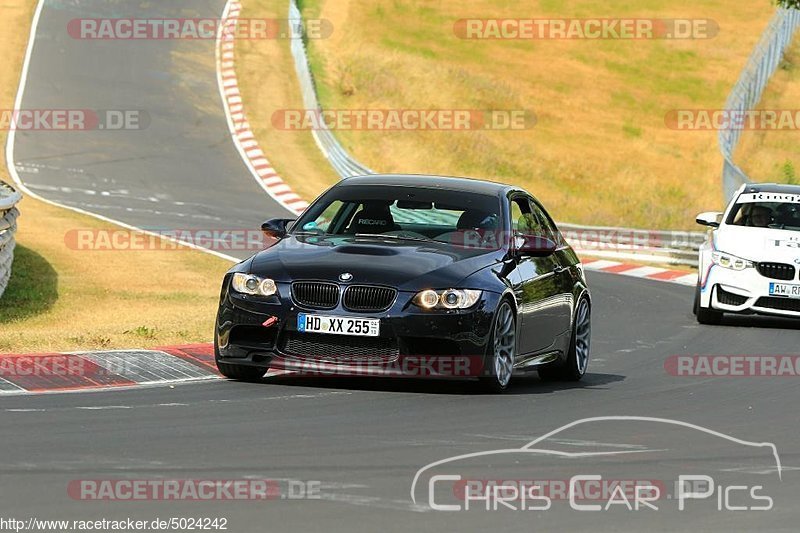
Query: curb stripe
(681, 277)
(58, 372)
(669, 275)
(106, 370)
(243, 137)
(197, 354)
(620, 268)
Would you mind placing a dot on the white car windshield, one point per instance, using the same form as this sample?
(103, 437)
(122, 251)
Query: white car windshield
(774, 215)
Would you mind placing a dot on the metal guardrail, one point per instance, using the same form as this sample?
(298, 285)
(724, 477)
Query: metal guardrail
(344, 164)
(747, 91)
(9, 198)
(665, 247)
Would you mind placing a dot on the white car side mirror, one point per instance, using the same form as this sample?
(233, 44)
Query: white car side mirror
(709, 218)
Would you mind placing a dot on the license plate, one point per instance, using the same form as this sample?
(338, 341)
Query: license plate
(338, 325)
(782, 289)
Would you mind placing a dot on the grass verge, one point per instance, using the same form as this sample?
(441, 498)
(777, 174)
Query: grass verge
(601, 151)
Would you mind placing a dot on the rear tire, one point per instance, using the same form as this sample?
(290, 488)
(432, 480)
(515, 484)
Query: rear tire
(577, 362)
(705, 315)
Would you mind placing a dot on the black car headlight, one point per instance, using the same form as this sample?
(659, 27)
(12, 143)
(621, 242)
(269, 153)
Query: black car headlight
(253, 285)
(447, 299)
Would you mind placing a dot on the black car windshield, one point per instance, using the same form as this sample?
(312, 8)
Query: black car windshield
(758, 211)
(397, 214)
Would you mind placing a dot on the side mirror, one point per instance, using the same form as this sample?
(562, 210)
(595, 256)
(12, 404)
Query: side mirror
(276, 228)
(709, 218)
(535, 246)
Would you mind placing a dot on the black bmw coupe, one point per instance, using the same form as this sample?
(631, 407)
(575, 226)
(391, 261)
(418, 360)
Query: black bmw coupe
(404, 275)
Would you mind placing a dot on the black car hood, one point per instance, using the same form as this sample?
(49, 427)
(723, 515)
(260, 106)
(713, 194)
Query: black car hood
(407, 265)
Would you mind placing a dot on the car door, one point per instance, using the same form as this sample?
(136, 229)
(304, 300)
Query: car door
(536, 285)
(564, 260)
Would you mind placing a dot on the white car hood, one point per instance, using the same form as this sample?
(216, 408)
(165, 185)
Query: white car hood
(759, 244)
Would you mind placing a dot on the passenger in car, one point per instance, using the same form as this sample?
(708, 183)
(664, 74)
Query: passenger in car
(760, 216)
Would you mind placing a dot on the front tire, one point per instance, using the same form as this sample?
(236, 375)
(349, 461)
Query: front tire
(238, 372)
(705, 315)
(502, 350)
(574, 368)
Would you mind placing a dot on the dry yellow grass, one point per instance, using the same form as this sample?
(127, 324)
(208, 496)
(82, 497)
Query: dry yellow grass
(268, 83)
(60, 298)
(65, 299)
(600, 152)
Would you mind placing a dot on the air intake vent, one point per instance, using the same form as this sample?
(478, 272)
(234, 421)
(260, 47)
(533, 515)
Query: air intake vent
(365, 298)
(728, 298)
(339, 348)
(781, 304)
(777, 270)
(315, 294)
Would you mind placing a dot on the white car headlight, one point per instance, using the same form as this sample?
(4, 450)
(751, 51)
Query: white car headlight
(449, 299)
(253, 285)
(731, 261)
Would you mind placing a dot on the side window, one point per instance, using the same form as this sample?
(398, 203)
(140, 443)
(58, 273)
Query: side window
(522, 218)
(737, 218)
(520, 214)
(547, 227)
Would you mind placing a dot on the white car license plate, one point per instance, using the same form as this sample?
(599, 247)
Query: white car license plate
(338, 325)
(782, 289)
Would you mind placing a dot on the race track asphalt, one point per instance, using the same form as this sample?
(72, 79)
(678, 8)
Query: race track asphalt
(362, 441)
(179, 170)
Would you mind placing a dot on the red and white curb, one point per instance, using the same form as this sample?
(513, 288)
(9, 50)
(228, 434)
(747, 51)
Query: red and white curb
(243, 136)
(681, 277)
(105, 370)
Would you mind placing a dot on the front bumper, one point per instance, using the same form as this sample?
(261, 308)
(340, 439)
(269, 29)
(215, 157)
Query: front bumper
(745, 292)
(412, 342)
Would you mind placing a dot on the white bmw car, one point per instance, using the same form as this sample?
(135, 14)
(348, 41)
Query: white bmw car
(750, 262)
